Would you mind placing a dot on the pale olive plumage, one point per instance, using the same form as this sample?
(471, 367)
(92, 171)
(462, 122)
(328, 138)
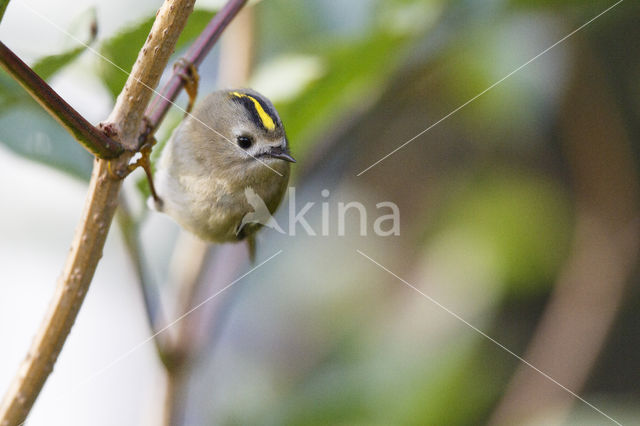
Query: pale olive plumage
(202, 173)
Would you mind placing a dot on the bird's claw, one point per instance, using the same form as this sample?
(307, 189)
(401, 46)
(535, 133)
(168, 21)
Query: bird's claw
(144, 161)
(189, 74)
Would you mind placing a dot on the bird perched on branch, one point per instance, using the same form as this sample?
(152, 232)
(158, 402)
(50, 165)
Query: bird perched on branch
(233, 140)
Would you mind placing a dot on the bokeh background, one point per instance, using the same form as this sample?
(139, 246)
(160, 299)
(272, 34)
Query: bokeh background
(519, 218)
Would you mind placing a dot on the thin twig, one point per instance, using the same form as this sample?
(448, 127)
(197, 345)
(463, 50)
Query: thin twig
(173, 411)
(195, 55)
(155, 113)
(89, 136)
(153, 307)
(234, 70)
(157, 109)
(126, 117)
(192, 255)
(88, 243)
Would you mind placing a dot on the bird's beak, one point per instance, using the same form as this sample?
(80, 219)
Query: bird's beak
(283, 154)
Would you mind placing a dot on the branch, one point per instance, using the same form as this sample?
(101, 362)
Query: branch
(102, 200)
(195, 55)
(155, 114)
(89, 136)
(191, 255)
(126, 117)
(152, 303)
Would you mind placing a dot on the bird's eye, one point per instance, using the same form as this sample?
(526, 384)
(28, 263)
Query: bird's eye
(245, 142)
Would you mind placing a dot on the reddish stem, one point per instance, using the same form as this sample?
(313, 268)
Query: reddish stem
(89, 136)
(195, 55)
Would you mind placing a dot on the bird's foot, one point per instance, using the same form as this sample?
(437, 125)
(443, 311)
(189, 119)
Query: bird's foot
(189, 74)
(144, 161)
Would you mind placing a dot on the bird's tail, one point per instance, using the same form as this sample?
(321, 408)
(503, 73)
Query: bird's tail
(251, 245)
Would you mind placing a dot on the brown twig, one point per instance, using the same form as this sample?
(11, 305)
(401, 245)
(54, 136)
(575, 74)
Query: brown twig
(86, 249)
(191, 255)
(195, 55)
(151, 298)
(89, 136)
(126, 116)
(160, 104)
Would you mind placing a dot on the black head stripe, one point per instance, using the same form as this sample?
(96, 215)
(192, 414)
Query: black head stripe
(268, 108)
(260, 111)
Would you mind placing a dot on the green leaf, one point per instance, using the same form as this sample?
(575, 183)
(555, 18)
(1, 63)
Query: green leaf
(122, 49)
(521, 221)
(32, 133)
(3, 8)
(10, 91)
(49, 65)
(27, 130)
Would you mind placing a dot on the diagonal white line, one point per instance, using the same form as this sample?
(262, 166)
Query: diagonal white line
(171, 324)
(494, 341)
(101, 56)
(490, 87)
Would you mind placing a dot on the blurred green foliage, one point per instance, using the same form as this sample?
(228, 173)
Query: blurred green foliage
(448, 386)
(352, 70)
(522, 220)
(358, 54)
(501, 196)
(45, 141)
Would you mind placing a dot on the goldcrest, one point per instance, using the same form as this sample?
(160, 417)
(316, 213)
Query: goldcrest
(233, 141)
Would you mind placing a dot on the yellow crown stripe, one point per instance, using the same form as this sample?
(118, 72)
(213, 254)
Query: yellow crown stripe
(266, 119)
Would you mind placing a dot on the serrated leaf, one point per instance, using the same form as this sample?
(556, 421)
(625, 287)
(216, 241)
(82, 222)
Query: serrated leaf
(123, 48)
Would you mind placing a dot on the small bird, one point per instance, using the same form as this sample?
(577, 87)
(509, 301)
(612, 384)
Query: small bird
(233, 140)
